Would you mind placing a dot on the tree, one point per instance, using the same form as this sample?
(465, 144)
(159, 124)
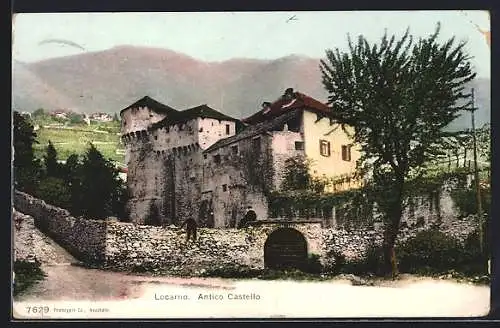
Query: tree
(52, 167)
(115, 118)
(71, 174)
(39, 113)
(26, 166)
(398, 96)
(54, 191)
(100, 185)
(75, 118)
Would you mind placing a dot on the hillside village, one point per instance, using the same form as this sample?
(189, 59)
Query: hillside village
(67, 114)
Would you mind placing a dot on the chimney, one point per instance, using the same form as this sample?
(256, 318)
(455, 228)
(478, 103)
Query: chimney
(266, 106)
(289, 93)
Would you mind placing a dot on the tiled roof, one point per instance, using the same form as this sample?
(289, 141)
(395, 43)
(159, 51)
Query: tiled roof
(253, 130)
(283, 105)
(202, 111)
(151, 104)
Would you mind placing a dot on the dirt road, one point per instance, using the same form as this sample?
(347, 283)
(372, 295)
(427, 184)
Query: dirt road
(132, 296)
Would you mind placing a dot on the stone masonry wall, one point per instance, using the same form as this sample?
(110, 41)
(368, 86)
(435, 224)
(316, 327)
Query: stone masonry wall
(353, 244)
(132, 247)
(155, 248)
(85, 239)
(234, 177)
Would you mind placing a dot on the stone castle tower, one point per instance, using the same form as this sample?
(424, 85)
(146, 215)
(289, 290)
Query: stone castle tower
(164, 155)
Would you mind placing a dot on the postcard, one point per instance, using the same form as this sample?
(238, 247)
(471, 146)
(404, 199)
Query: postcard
(251, 165)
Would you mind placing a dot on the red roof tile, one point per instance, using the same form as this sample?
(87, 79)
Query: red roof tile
(283, 105)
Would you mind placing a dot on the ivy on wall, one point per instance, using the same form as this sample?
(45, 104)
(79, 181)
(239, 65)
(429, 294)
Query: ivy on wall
(354, 207)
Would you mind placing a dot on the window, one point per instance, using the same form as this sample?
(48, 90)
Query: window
(256, 144)
(234, 150)
(205, 156)
(299, 145)
(346, 153)
(324, 148)
(156, 137)
(217, 159)
(228, 128)
(224, 187)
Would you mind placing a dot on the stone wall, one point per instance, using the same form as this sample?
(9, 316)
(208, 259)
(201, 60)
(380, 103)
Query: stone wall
(353, 244)
(85, 239)
(137, 119)
(211, 130)
(158, 180)
(234, 177)
(283, 147)
(132, 247)
(423, 209)
(187, 174)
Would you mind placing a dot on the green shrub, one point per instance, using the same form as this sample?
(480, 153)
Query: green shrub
(54, 191)
(339, 262)
(430, 251)
(26, 275)
(244, 272)
(312, 264)
(371, 264)
(231, 271)
(472, 262)
(465, 200)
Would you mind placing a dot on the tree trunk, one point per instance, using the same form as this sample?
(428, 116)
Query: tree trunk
(390, 263)
(391, 232)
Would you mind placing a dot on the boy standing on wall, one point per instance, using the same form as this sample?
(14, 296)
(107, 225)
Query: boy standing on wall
(191, 226)
(250, 216)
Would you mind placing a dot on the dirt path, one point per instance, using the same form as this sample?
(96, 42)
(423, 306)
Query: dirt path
(69, 282)
(138, 296)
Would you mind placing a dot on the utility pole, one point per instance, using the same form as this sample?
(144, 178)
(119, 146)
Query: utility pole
(476, 177)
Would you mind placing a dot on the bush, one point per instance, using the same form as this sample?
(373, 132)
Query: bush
(55, 192)
(472, 261)
(465, 200)
(27, 274)
(231, 271)
(312, 264)
(245, 272)
(429, 252)
(371, 264)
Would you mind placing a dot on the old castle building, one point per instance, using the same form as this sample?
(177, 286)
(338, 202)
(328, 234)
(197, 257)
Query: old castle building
(203, 164)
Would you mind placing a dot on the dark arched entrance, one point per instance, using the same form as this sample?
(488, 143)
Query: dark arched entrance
(285, 248)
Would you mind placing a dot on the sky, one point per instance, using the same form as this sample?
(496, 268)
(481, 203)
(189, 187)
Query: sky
(218, 36)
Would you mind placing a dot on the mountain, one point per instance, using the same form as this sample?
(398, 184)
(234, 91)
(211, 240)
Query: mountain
(30, 92)
(110, 80)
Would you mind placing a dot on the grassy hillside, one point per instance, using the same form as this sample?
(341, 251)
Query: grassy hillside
(75, 138)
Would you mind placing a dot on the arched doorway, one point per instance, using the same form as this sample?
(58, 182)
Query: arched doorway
(285, 248)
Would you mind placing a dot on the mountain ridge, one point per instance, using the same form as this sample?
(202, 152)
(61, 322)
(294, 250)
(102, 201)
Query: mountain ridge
(110, 80)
